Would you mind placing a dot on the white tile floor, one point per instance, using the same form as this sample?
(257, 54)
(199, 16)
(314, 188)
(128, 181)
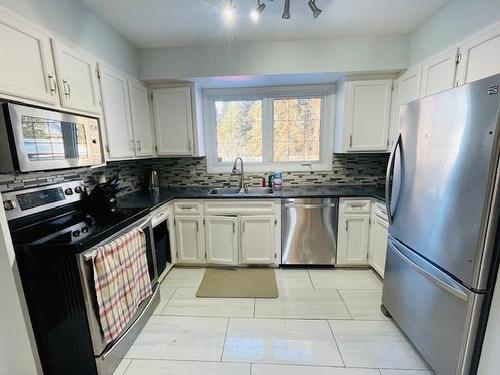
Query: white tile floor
(324, 322)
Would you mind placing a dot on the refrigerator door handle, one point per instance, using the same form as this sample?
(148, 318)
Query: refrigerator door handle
(388, 176)
(457, 290)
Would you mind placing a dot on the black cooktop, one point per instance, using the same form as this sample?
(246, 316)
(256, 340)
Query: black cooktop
(77, 230)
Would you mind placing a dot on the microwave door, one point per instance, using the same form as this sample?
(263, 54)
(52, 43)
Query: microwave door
(52, 140)
(70, 141)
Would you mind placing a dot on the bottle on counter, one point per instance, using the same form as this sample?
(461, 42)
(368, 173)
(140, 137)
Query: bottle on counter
(270, 182)
(277, 180)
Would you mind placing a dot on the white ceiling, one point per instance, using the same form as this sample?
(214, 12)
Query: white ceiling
(168, 23)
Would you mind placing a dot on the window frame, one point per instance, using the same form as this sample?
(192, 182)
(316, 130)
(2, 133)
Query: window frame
(267, 95)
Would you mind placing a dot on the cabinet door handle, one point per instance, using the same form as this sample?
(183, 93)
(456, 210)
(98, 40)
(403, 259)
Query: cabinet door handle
(234, 228)
(52, 84)
(67, 88)
(350, 140)
(197, 226)
(243, 227)
(347, 226)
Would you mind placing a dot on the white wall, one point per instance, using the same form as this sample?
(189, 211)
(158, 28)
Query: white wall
(322, 56)
(78, 24)
(17, 349)
(454, 22)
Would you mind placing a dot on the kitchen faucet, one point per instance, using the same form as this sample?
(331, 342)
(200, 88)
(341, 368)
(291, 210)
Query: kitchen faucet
(240, 173)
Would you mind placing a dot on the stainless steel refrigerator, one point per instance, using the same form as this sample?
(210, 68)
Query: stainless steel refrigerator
(443, 204)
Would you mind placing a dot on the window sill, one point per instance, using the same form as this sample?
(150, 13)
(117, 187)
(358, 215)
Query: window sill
(267, 167)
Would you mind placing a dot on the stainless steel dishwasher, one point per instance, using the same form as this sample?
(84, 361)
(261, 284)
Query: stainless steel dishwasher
(309, 231)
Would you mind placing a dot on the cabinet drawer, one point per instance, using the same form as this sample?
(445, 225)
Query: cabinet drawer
(380, 210)
(240, 207)
(187, 208)
(353, 206)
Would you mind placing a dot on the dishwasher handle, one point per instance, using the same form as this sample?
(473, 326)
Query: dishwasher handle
(310, 206)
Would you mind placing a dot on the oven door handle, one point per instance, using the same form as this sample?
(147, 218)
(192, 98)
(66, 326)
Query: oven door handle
(90, 254)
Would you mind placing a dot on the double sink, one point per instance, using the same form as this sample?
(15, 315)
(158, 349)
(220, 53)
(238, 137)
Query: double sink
(244, 191)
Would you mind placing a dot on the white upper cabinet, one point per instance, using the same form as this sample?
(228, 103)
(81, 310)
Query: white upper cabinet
(257, 239)
(409, 85)
(26, 67)
(221, 239)
(173, 119)
(438, 73)
(119, 133)
(77, 78)
(480, 56)
(141, 118)
(363, 116)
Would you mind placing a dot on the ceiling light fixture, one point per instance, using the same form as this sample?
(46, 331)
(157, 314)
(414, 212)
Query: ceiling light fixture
(286, 10)
(229, 13)
(255, 14)
(316, 11)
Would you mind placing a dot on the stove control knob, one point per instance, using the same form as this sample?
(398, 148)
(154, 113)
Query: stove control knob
(68, 191)
(85, 229)
(76, 233)
(9, 205)
(79, 189)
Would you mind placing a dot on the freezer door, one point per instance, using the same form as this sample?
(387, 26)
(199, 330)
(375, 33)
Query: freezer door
(437, 314)
(443, 176)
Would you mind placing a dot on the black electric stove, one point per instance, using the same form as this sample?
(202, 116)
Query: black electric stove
(53, 228)
(76, 230)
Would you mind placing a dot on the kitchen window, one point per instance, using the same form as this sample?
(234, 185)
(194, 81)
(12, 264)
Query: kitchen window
(285, 128)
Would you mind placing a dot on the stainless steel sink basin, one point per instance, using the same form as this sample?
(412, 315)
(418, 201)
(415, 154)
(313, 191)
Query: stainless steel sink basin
(229, 190)
(258, 190)
(235, 191)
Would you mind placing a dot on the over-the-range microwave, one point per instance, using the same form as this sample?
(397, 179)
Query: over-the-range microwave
(37, 139)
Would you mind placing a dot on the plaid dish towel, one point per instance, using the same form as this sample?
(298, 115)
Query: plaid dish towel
(121, 280)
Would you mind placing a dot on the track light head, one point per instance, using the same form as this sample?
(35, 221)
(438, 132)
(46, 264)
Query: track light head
(229, 13)
(316, 11)
(255, 14)
(286, 11)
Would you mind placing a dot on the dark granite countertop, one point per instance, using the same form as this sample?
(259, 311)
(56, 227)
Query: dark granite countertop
(151, 200)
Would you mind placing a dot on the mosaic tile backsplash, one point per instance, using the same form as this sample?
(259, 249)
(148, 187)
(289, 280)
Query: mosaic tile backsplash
(365, 169)
(347, 169)
(132, 176)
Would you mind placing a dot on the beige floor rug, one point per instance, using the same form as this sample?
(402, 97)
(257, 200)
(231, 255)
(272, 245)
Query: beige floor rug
(238, 283)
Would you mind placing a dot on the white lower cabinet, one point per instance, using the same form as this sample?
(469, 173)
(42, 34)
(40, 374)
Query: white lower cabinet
(363, 233)
(189, 239)
(257, 239)
(221, 239)
(379, 232)
(353, 237)
(226, 232)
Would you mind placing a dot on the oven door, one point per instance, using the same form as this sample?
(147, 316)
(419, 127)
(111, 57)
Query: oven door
(46, 139)
(87, 280)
